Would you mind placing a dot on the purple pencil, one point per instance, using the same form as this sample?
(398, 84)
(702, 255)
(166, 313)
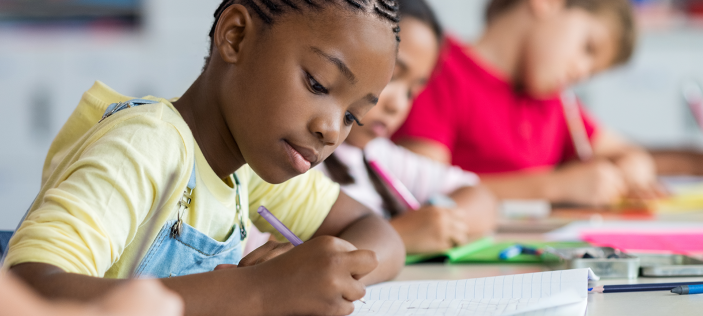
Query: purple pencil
(280, 227)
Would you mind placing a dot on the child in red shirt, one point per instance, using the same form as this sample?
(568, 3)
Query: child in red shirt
(494, 108)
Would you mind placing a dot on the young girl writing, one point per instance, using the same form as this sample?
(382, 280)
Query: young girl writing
(432, 228)
(280, 91)
(494, 107)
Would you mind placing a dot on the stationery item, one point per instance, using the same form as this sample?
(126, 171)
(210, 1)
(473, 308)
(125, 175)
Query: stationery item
(452, 254)
(442, 201)
(151, 229)
(510, 252)
(546, 293)
(396, 186)
(525, 208)
(486, 250)
(686, 195)
(688, 289)
(678, 242)
(669, 265)
(576, 230)
(693, 95)
(576, 126)
(279, 226)
(639, 287)
(604, 261)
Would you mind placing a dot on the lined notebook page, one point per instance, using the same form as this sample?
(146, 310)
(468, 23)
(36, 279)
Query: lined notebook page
(546, 293)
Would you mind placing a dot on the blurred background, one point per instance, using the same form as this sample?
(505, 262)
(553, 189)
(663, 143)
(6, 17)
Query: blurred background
(53, 50)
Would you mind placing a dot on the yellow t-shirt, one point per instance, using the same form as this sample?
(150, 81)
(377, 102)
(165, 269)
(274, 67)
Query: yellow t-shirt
(102, 183)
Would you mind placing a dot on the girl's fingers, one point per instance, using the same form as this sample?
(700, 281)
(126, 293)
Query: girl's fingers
(361, 262)
(225, 266)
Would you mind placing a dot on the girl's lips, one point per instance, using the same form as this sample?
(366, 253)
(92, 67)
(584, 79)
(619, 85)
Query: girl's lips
(379, 129)
(299, 162)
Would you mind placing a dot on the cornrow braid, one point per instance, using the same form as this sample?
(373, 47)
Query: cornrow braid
(266, 10)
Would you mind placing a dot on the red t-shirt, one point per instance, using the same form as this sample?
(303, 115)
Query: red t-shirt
(485, 123)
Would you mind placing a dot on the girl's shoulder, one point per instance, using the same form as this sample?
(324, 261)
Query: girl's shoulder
(84, 126)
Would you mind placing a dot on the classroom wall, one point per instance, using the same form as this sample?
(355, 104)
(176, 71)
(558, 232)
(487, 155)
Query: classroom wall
(44, 72)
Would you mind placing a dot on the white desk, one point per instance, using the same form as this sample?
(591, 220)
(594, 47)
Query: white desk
(625, 304)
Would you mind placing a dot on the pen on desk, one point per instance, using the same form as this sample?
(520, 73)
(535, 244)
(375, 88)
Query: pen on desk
(688, 289)
(639, 287)
(510, 252)
(574, 121)
(518, 249)
(281, 228)
(396, 186)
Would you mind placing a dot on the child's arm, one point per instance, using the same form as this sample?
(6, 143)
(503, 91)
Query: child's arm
(678, 162)
(319, 277)
(597, 183)
(144, 297)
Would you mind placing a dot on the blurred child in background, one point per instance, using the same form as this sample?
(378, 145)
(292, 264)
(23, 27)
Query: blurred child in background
(494, 107)
(431, 228)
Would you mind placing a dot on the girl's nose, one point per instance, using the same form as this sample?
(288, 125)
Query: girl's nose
(326, 129)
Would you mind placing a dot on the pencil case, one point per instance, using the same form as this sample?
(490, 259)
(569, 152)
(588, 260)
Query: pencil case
(605, 262)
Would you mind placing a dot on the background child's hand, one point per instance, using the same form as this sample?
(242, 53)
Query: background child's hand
(640, 175)
(597, 183)
(319, 277)
(431, 229)
(141, 297)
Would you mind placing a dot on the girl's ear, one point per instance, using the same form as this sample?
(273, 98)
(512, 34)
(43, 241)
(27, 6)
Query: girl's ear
(234, 23)
(544, 8)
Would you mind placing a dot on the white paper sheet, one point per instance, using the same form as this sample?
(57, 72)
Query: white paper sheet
(547, 293)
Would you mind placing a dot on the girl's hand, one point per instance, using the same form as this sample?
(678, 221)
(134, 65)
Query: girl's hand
(431, 229)
(140, 298)
(319, 277)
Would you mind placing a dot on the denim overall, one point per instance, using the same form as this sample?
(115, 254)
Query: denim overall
(179, 249)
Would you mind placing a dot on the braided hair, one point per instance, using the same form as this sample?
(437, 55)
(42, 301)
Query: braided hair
(268, 10)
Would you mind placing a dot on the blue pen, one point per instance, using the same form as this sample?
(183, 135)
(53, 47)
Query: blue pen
(688, 289)
(510, 252)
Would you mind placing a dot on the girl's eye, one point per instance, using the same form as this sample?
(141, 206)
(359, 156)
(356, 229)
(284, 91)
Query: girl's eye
(350, 118)
(315, 86)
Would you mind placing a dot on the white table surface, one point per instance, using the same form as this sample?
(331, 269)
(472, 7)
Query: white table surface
(637, 303)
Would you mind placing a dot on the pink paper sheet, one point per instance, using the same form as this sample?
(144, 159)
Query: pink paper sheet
(659, 242)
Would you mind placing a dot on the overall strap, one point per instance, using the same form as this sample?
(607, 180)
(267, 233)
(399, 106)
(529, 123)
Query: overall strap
(111, 109)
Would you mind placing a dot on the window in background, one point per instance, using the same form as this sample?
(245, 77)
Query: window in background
(78, 13)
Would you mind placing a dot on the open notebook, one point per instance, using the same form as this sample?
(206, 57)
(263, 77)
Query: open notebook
(560, 293)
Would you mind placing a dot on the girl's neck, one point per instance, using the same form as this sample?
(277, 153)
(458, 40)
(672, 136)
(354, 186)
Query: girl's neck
(501, 44)
(200, 109)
